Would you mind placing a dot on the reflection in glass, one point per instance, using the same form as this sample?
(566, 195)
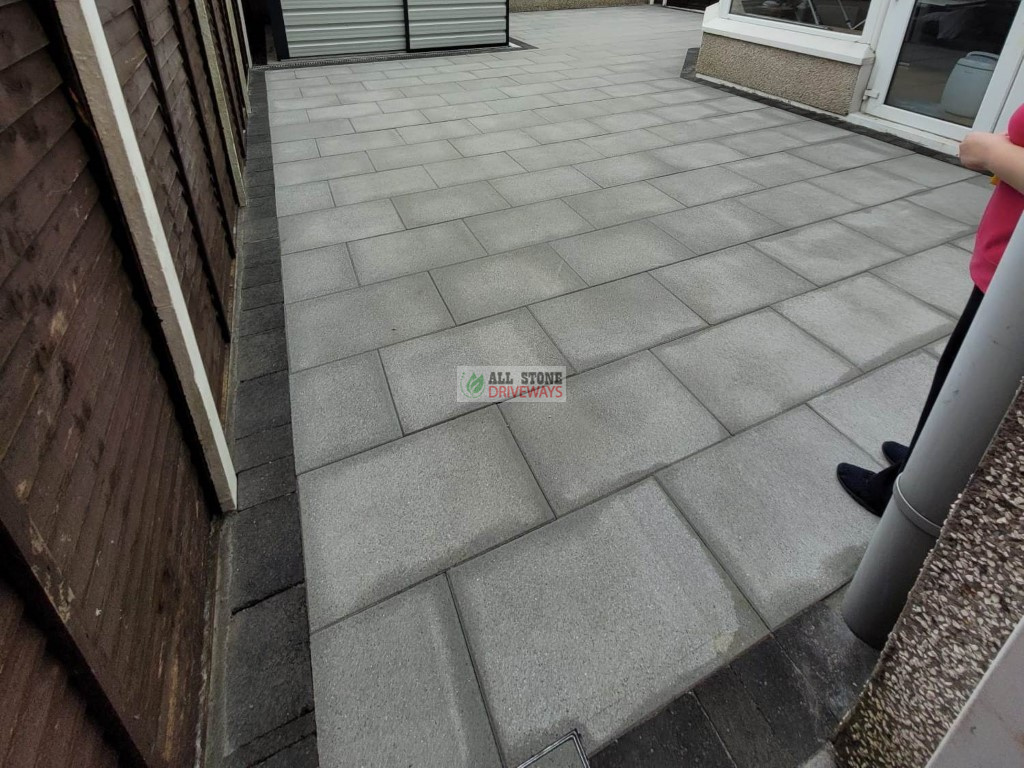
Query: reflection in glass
(839, 15)
(949, 53)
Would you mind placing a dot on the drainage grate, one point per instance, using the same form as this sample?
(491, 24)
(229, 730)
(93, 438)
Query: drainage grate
(567, 752)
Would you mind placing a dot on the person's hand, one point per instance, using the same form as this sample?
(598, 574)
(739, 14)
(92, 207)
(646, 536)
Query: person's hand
(977, 147)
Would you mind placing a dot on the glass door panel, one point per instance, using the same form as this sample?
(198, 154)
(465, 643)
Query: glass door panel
(948, 56)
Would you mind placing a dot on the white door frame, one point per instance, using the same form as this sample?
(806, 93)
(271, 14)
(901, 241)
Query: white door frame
(890, 41)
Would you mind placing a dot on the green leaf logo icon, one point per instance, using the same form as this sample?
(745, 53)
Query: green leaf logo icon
(474, 385)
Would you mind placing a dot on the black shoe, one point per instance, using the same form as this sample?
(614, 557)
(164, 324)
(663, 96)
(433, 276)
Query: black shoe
(895, 453)
(872, 490)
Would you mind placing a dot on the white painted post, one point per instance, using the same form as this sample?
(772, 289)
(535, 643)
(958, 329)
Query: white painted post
(220, 95)
(80, 21)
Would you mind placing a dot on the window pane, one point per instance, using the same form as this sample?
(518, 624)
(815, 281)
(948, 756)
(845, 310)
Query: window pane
(839, 15)
(949, 53)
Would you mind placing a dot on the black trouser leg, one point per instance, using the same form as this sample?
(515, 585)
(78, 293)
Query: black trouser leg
(879, 490)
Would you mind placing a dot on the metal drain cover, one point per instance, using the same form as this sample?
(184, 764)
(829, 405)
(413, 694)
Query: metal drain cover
(567, 752)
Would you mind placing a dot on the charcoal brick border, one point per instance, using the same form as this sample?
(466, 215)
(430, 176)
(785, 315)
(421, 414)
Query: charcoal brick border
(267, 689)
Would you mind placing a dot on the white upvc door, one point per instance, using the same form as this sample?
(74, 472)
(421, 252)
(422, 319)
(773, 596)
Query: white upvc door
(919, 46)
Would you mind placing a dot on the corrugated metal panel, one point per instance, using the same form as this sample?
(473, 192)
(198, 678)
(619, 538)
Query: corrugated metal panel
(456, 23)
(318, 27)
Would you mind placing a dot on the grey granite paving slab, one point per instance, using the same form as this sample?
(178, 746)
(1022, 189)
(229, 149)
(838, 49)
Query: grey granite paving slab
(305, 231)
(628, 121)
(813, 131)
(926, 171)
(505, 122)
(623, 169)
(358, 142)
(610, 321)
(704, 185)
(412, 155)
(883, 405)
(868, 185)
(526, 225)
(904, 226)
(678, 113)
(597, 620)
(521, 103)
(448, 203)
(300, 198)
(567, 131)
(849, 152)
(617, 205)
(414, 250)
(340, 409)
(797, 204)
(552, 155)
(312, 130)
(783, 528)
(625, 142)
(534, 187)
(698, 154)
(451, 172)
(385, 519)
(423, 372)
(967, 243)
(939, 276)
(716, 225)
(866, 320)
(751, 368)
(476, 96)
(488, 143)
(775, 170)
(376, 186)
(321, 169)
(301, 149)
(693, 130)
(411, 102)
(389, 121)
(763, 142)
(826, 251)
(308, 274)
(395, 686)
(487, 286)
(457, 112)
(620, 422)
(343, 324)
(733, 282)
(608, 254)
(964, 201)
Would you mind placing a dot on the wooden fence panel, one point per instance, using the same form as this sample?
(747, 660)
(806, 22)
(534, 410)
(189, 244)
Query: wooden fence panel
(104, 510)
(127, 37)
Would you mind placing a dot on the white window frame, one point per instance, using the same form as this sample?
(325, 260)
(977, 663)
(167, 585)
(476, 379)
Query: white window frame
(799, 38)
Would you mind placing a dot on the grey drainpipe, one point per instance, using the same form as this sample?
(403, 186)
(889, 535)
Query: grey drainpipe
(980, 387)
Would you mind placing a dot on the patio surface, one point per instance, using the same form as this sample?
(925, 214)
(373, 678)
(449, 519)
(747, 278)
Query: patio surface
(744, 298)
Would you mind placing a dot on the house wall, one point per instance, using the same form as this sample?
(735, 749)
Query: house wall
(106, 501)
(811, 80)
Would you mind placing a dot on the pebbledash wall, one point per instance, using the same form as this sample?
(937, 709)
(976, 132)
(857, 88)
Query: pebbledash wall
(831, 86)
(121, 148)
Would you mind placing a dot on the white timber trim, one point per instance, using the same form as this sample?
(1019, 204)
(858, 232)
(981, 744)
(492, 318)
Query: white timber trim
(80, 21)
(220, 96)
(821, 43)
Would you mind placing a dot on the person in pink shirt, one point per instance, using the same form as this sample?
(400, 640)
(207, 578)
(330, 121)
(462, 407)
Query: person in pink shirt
(1001, 154)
